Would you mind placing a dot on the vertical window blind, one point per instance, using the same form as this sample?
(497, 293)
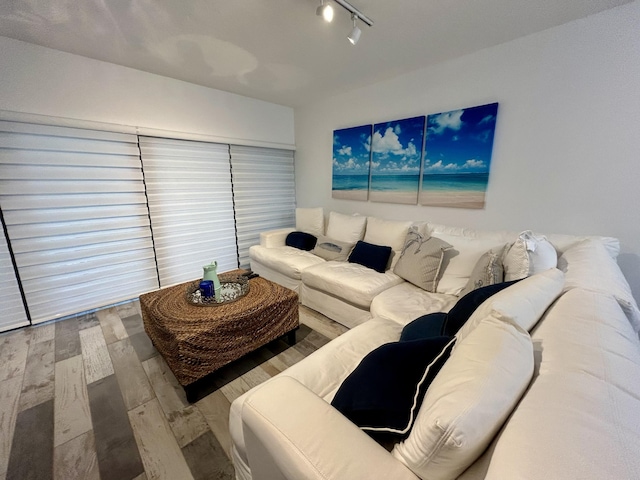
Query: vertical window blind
(75, 209)
(11, 306)
(264, 193)
(191, 206)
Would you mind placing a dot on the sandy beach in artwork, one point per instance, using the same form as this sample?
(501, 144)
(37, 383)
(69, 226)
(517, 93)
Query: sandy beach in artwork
(409, 198)
(453, 198)
(350, 194)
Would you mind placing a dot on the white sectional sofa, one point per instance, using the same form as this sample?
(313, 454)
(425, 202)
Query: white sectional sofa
(543, 381)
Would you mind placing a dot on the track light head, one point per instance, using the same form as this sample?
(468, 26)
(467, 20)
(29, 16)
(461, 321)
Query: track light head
(354, 36)
(326, 11)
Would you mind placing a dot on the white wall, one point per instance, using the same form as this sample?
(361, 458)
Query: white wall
(566, 155)
(38, 80)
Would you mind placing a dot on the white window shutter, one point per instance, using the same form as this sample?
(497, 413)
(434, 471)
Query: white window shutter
(75, 209)
(191, 206)
(264, 193)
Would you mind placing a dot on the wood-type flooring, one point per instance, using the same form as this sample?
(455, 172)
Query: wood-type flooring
(89, 397)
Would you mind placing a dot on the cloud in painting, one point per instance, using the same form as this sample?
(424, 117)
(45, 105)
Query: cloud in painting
(443, 121)
(470, 166)
(345, 150)
(396, 147)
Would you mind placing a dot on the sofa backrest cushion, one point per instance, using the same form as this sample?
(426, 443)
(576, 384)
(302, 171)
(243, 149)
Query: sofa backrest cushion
(371, 256)
(301, 240)
(460, 261)
(523, 303)
(529, 254)
(346, 228)
(331, 249)
(384, 392)
(588, 265)
(421, 260)
(310, 220)
(386, 232)
(469, 400)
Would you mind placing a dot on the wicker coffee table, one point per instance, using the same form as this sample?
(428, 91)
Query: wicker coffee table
(198, 340)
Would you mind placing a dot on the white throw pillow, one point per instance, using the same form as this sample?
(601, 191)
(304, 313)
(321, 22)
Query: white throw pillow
(588, 265)
(310, 220)
(530, 254)
(387, 233)
(469, 400)
(346, 228)
(523, 302)
(460, 261)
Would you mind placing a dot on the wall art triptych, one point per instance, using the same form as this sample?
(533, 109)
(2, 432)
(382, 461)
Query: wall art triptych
(442, 159)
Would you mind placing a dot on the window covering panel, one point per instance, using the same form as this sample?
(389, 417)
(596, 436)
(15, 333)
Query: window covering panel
(264, 193)
(76, 215)
(11, 306)
(191, 206)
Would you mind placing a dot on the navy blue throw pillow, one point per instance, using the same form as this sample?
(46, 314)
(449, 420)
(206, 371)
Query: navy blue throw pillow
(384, 393)
(372, 256)
(465, 307)
(426, 326)
(301, 240)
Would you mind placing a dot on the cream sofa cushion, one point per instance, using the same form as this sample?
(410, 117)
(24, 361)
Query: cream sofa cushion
(589, 265)
(523, 302)
(469, 400)
(288, 261)
(461, 260)
(351, 281)
(387, 233)
(310, 220)
(406, 302)
(346, 228)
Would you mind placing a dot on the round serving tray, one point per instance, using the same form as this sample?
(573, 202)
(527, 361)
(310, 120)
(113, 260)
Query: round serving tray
(231, 289)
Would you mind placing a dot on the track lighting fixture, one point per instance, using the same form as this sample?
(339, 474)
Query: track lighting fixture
(326, 11)
(354, 36)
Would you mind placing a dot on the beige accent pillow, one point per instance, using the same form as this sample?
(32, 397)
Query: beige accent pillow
(469, 400)
(310, 220)
(331, 249)
(421, 259)
(488, 270)
(346, 228)
(530, 254)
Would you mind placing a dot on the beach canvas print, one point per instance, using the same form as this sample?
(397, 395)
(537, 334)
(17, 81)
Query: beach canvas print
(458, 157)
(351, 160)
(395, 161)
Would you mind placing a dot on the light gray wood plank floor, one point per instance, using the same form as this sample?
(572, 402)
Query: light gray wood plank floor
(102, 404)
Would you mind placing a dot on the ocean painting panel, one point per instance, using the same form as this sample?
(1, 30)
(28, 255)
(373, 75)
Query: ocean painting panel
(395, 161)
(351, 160)
(457, 157)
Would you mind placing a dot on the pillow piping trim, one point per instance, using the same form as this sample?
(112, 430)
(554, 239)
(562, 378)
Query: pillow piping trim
(415, 396)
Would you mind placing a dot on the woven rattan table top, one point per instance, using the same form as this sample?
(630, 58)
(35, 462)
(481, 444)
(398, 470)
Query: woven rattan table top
(196, 340)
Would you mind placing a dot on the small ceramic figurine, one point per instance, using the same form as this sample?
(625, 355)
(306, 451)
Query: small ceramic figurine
(210, 273)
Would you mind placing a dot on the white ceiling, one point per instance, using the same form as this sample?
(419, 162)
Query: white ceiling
(279, 50)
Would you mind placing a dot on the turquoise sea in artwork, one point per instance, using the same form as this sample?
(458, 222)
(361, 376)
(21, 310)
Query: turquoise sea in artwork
(350, 182)
(464, 182)
(395, 183)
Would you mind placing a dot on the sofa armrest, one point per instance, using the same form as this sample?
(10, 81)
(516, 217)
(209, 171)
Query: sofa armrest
(291, 433)
(275, 238)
